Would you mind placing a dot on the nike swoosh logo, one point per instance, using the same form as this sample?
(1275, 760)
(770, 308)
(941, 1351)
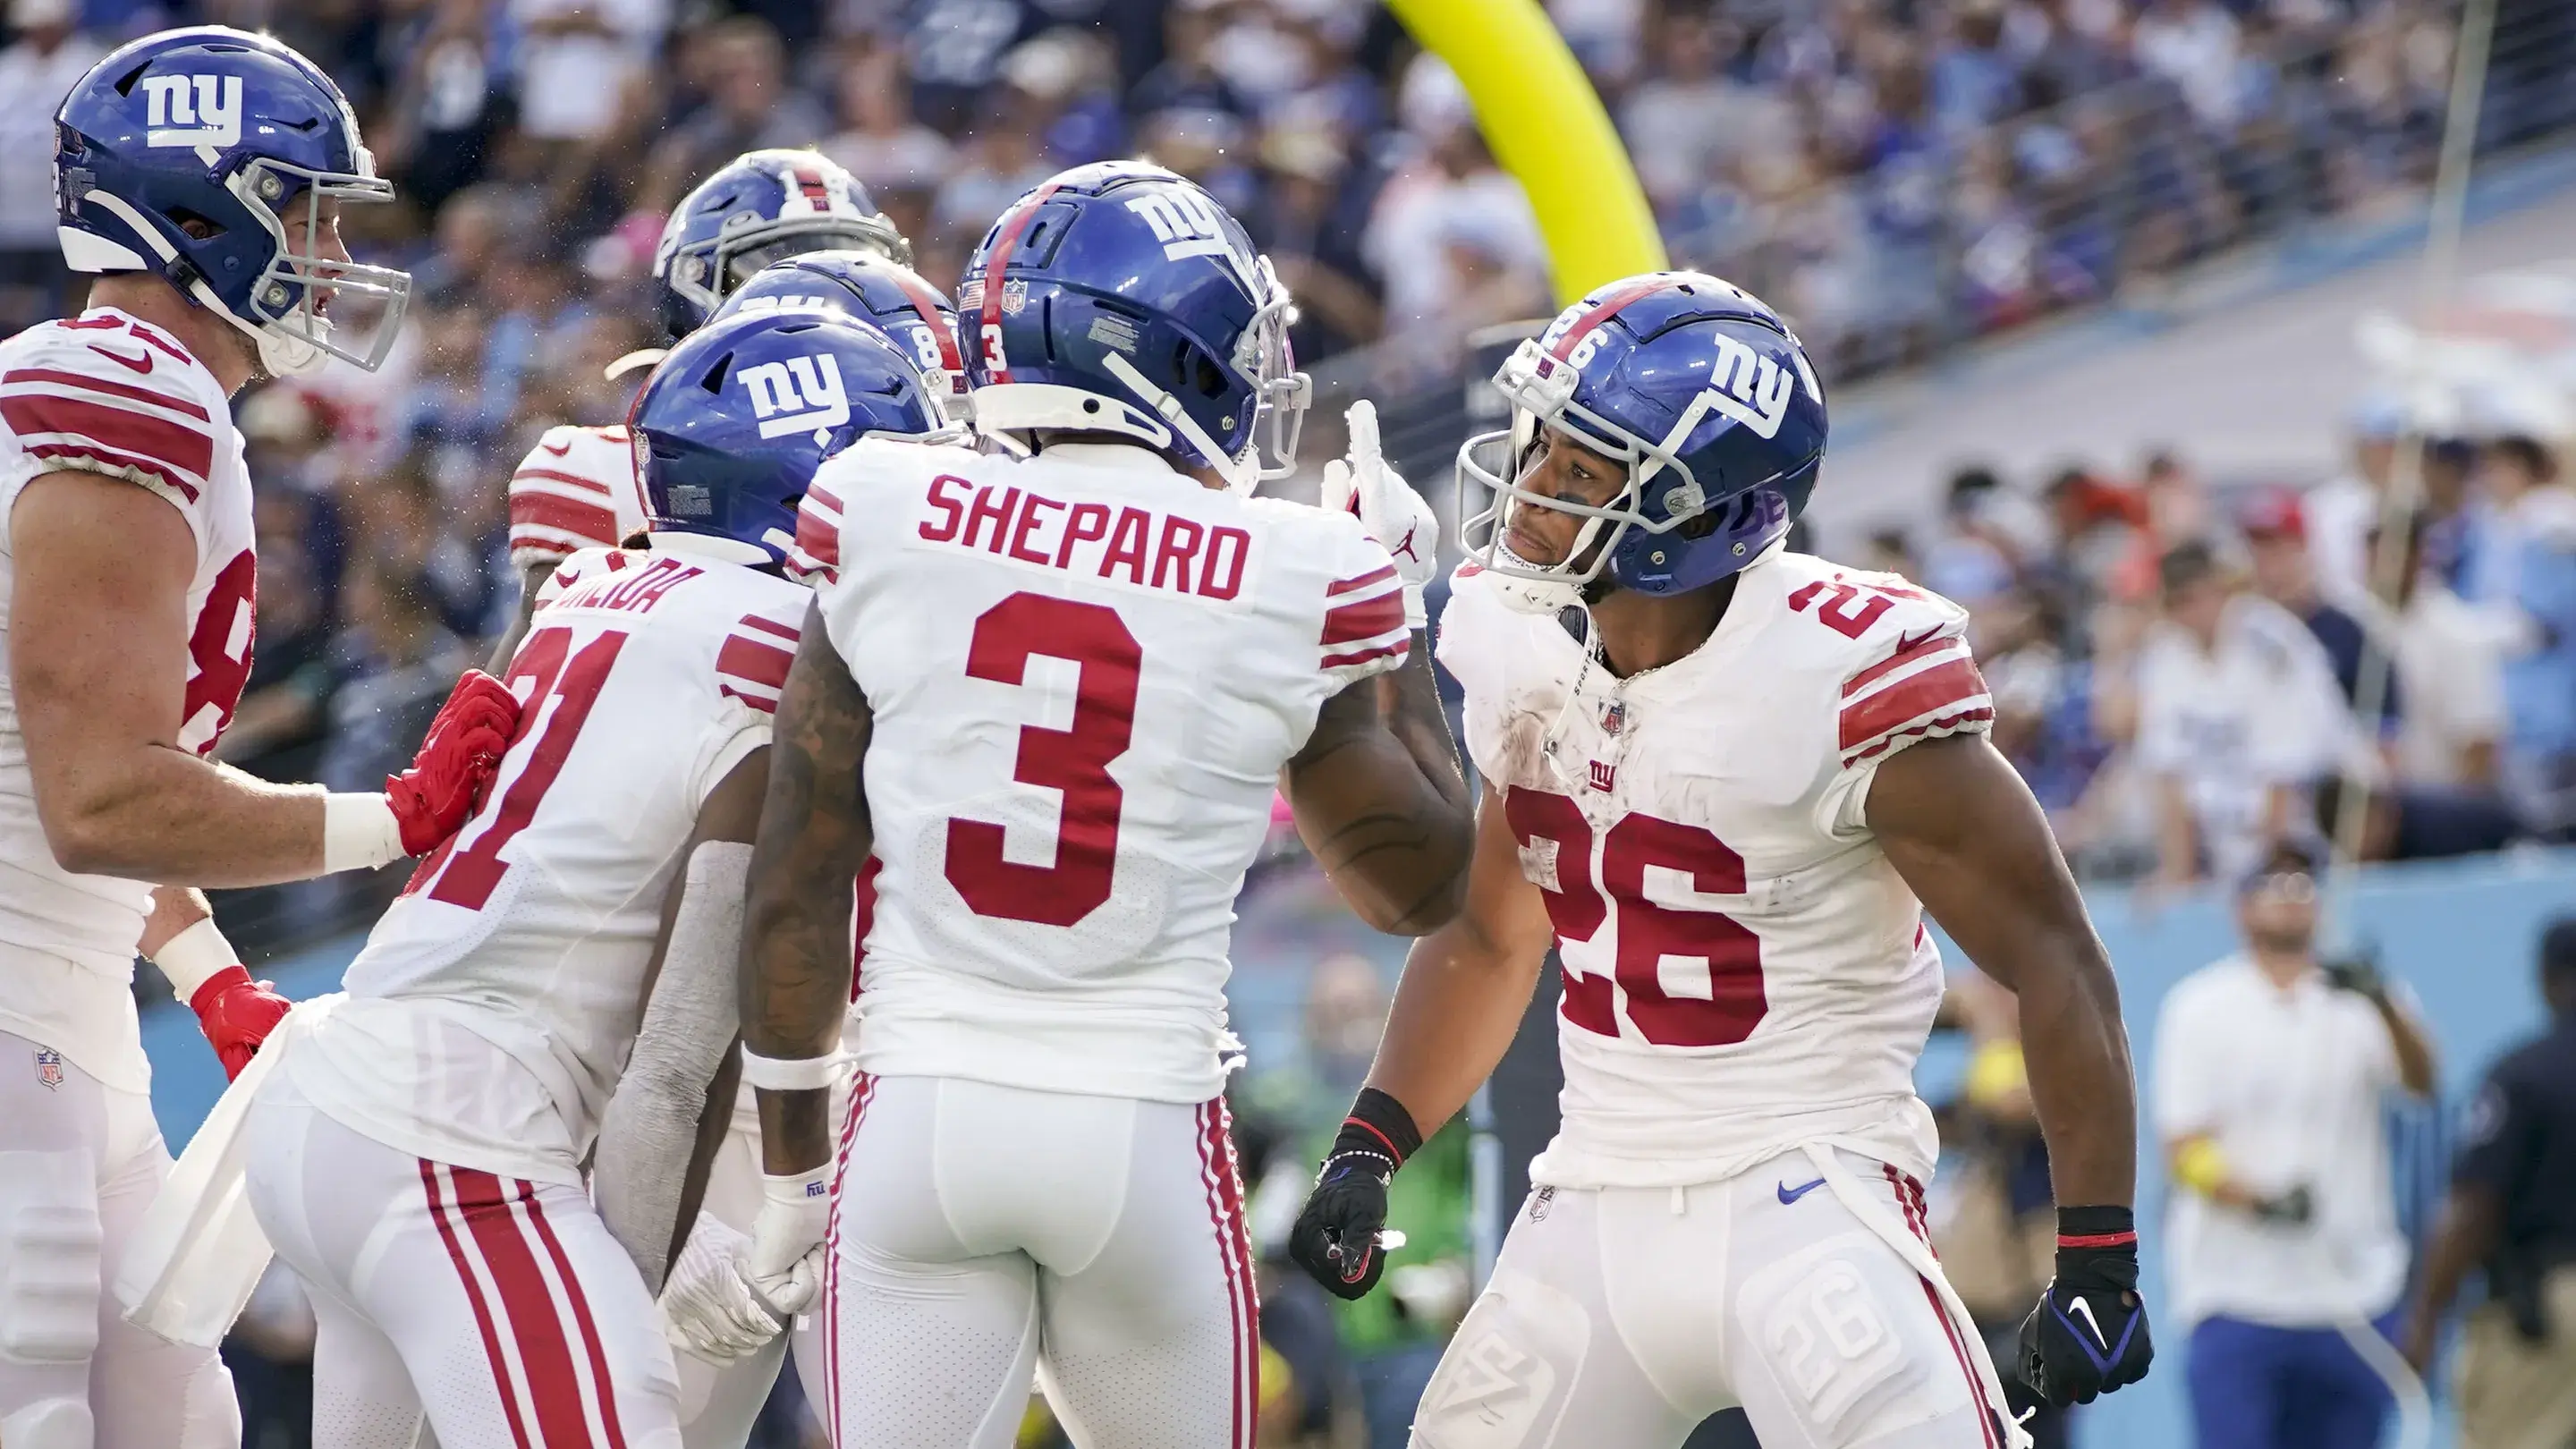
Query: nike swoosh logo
(1790, 1194)
(1906, 643)
(557, 449)
(2086, 1308)
(139, 364)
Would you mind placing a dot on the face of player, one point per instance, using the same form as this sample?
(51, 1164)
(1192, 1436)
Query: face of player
(319, 238)
(2279, 913)
(1563, 469)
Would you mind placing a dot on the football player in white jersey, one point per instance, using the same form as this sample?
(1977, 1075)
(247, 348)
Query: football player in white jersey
(578, 488)
(201, 173)
(1054, 687)
(1725, 781)
(728, 1357)
(417, 1154)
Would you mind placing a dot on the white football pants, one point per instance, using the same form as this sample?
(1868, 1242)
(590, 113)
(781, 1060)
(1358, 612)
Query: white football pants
(79, 1162)
(1618, 1318)
(497, 1313)
(983, 1235)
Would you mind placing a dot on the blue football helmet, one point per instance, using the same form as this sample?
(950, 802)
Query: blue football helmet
(231, 132)
(1121, 298)
(871, 289)
(734, 421)
(1705, 396)
(758, 208)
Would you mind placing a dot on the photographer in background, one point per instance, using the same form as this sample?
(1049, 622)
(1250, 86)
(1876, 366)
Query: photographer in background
(2512, 1210)
(2270, 1077)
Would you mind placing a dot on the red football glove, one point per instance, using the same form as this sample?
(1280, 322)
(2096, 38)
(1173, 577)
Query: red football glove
(237, 1014)
(433, 799)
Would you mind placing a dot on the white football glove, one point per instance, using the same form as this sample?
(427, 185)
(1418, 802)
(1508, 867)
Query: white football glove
(785, 1262)
(707, 1308)
(1399, 518)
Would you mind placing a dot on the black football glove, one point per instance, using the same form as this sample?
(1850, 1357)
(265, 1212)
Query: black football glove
(2088, 1334)
(1336, 1236)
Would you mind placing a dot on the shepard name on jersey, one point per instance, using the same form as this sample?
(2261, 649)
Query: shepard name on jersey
(1744, 969)
(1085, 670)
(104, 393)
(491, 1012)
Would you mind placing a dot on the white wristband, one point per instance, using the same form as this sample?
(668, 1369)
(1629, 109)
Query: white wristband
(798, 1189)
(359, 832)
(790, 1074)
(193, 955)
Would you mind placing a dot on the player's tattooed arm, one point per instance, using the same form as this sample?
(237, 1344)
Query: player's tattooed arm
(1381, 802)
(1962, 829)
(814, 836)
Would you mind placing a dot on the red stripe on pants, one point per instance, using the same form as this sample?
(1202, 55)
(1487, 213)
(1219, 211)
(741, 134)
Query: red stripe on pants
(474, 1298)
(1225, 1211)
(535, 1323)
(1909, 1202)
(862, 1087)
(607, 1387)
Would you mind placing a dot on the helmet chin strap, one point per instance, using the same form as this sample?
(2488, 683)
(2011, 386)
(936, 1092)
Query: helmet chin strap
(1240, 474)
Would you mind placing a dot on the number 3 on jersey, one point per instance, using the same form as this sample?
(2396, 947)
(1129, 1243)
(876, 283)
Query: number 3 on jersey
(1649, 932)
(1073, 761)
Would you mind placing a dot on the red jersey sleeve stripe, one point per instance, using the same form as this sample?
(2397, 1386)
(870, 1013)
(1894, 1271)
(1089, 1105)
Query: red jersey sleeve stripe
(1912, 654)
(186, 449)
(754, 662)
(553, 475)
(1946, 724)
(594, 521)
(1948, 687)
(53, 376)
(788, 632)
(1373, 576)
(1362, 656)
(112, 459)
(1365, 618)
(817, 537)
(823, 496)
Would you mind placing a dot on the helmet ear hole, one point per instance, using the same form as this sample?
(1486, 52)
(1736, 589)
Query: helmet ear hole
(1699, 525)
(197, 225)
(714, 381)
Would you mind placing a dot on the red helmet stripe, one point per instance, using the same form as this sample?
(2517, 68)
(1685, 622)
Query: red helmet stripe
(1013, 226)
(1608, 308)
(810, 181)
(926, 302)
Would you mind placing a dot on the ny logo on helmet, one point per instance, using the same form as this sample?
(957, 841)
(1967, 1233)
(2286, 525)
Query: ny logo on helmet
(801, 394)
(785, 303)
(192, 110)
(1189, 225)
(1751, 388)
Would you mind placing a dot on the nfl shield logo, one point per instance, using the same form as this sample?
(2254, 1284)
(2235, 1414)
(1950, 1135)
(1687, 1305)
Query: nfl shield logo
(49, 1068)
(1614, 716)
(1015, 296)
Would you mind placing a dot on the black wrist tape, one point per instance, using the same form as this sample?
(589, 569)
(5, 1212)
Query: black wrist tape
(1378, 1124)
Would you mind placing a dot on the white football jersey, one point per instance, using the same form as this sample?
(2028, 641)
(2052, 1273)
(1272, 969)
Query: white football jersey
(495, 1003)
(108, 394)
(1744, 970)
(1085, 670)
(576, 489)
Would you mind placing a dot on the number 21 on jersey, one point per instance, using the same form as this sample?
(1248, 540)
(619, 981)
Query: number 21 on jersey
(562, 683)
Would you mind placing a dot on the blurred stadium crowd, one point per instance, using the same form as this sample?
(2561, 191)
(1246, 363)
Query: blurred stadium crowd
(1896, 174)
(2177, 668)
